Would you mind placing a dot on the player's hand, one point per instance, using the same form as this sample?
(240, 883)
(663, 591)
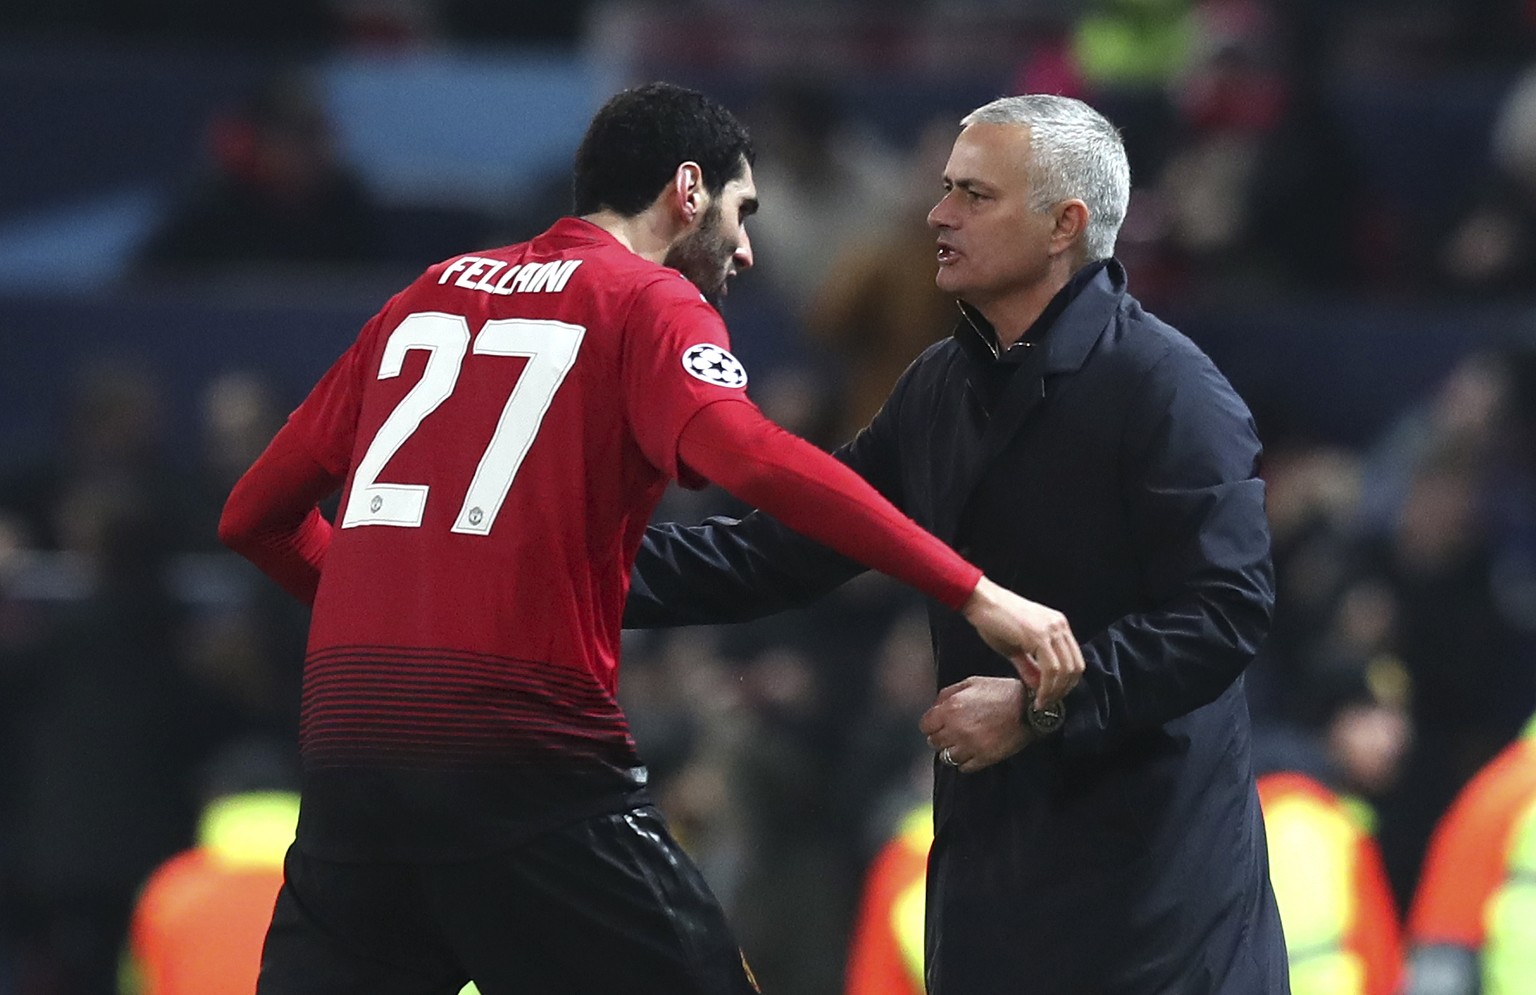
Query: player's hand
(980, 721)
(1037, 640)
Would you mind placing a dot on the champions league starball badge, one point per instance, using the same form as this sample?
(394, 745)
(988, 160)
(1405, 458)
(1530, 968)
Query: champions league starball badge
(712, 364)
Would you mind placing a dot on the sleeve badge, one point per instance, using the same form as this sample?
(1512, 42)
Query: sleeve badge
(714, 365)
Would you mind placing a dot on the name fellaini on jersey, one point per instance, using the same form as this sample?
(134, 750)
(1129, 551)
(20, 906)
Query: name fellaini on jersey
(494, 276)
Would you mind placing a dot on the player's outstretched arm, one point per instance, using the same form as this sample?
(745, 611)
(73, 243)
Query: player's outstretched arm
(732, 444)
(271, 516)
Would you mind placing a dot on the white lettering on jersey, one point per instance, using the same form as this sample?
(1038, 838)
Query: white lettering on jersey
(477, 272)
(471, 273)
(541, 279)
(556, 274)
(567, 268)
(504, 285)
(484, 283)
(529, 271)
(712, 364)
(453, 268)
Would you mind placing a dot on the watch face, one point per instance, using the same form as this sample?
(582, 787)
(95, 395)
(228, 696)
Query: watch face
(1046, 720)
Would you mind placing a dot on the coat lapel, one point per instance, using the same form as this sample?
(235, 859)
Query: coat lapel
(1061, 349)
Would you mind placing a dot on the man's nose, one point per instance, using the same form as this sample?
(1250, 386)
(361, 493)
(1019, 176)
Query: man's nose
(742, 257)
(939, 217)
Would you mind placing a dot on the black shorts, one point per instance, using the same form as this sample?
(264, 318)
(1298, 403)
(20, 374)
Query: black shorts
(609, 904)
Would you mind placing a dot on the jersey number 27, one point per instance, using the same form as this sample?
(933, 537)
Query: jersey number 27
(550, 347)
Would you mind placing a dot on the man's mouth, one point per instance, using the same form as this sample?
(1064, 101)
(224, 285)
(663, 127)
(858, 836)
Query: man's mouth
(947, 252)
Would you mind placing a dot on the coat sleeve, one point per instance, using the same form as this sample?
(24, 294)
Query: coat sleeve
(1196, 506)
(736, 570)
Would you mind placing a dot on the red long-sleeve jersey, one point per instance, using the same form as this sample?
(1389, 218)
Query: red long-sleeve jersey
(502, 431)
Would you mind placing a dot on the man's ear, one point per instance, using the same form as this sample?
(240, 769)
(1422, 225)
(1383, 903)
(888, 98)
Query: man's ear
(1071, 224)
(687, 192)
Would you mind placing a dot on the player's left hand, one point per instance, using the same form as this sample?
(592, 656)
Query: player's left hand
(980, 721)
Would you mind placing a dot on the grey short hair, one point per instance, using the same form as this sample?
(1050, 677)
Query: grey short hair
(1077, 154)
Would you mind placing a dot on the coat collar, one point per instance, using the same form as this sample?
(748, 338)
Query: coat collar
(1068, 328)
(1065, 334)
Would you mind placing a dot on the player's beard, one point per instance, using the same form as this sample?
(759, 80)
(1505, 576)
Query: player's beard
(704, 256)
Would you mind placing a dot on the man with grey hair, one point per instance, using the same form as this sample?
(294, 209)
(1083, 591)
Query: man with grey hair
(1091, 457)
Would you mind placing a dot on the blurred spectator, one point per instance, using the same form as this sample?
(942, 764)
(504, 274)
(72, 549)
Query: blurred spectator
(878, 307)
(823, 177)
(246, 659)
(1467, 413)
(113, 440)
(1136, 43)
(1048, 65)
(1128, 53)
(1473, 922)
(240, 412)
(1352, 735)
(1342, 928)
(1470, 687)
(1311, 495)
(108, 739)
(886, 957)
(1427, 569)
(200, 920)
(1454, 640)
(1308, 179)
(276, 192)
(1259, 166)
(1493, 248)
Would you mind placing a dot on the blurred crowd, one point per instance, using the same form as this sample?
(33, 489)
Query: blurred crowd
(136, 657)
(311, 25)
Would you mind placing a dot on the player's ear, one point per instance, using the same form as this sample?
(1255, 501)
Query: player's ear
(687, 192)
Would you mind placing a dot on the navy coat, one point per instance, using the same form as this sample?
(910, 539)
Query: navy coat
(1112, 475)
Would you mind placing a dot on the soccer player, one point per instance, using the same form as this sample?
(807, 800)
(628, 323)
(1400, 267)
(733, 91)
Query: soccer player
(472, 803)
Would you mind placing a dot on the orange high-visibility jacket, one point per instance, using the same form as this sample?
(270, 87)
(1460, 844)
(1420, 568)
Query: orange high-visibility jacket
(1342, 934)
(1478, 889)
(887, 953)
(202, 916)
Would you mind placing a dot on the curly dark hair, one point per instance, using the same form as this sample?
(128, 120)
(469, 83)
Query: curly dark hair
(638, 139)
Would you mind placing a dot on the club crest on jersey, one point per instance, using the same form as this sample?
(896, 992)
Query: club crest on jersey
(712, 364)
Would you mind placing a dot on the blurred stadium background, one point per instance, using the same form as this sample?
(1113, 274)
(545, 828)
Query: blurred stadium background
(201, 203)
